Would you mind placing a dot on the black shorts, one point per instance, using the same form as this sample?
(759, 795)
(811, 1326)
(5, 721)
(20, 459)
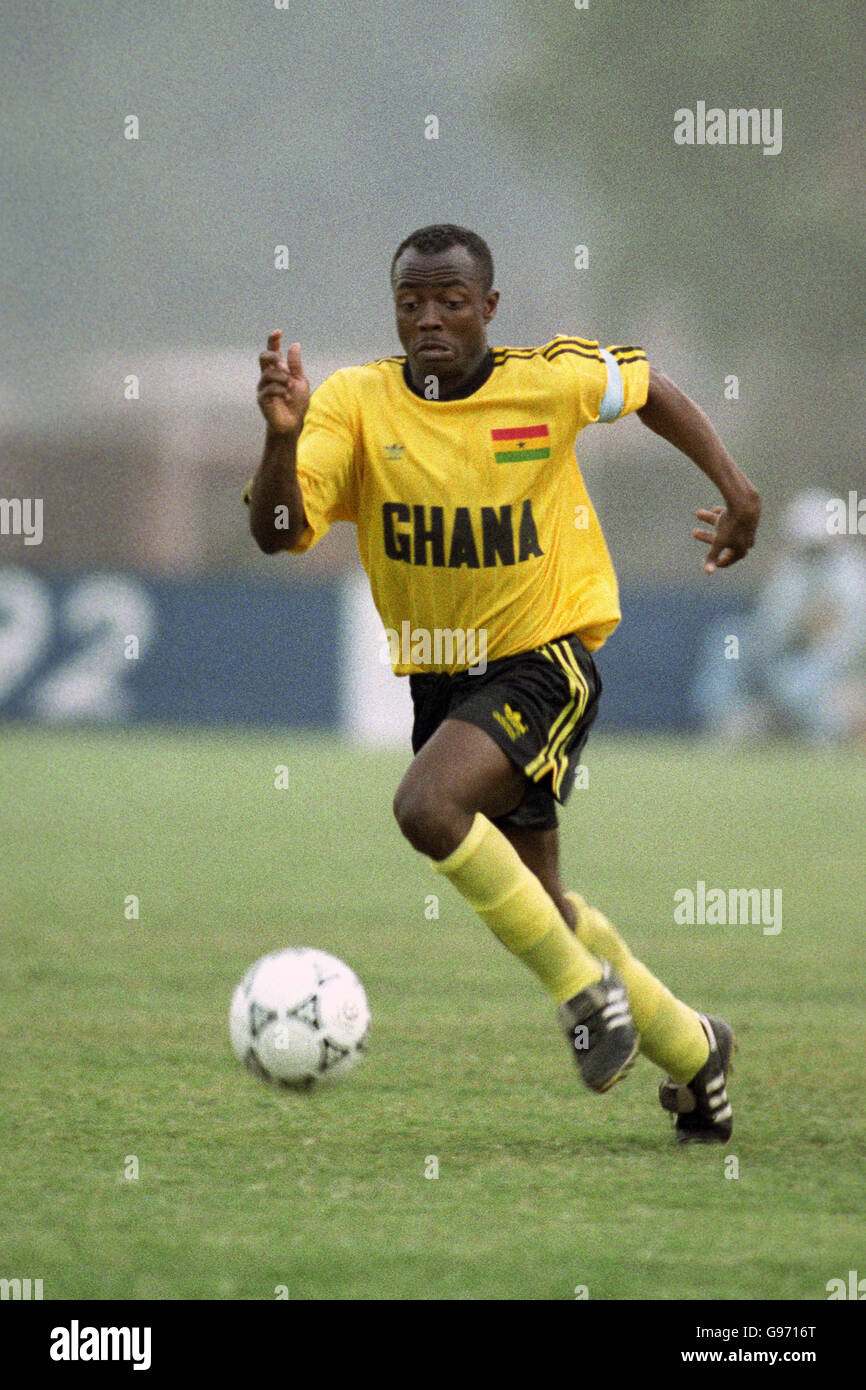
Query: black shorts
(538, 707)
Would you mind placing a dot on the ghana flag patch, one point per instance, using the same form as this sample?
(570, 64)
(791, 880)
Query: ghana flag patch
(521, 445)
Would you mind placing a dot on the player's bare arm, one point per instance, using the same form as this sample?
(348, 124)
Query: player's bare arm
(670, 413)
(283, 395)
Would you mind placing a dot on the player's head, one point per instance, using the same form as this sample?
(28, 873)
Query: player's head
(431, 241)
(442, 280)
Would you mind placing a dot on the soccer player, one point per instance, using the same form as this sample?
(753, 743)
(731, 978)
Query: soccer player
(456, 463)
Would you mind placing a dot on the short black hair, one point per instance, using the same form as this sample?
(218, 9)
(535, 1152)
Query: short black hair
(443, 235)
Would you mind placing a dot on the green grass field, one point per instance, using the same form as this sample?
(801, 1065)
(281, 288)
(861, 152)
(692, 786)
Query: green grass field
(115, 1042)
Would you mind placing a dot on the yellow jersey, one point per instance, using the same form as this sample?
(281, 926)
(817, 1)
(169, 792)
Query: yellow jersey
(472, 514)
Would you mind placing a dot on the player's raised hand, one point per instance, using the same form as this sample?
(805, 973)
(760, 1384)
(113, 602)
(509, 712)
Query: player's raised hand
(731, 537)
(283, 390)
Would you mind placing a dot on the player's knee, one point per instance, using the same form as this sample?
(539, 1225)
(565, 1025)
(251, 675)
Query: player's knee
(426, 819)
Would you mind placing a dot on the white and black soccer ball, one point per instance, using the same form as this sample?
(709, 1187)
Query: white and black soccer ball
(298, 1017)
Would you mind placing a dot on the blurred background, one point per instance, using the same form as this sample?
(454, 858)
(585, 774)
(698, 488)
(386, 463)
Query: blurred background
(141, 276)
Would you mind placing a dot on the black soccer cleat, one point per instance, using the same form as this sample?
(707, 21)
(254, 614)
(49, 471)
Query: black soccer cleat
(600, 1028)
(702, 1108)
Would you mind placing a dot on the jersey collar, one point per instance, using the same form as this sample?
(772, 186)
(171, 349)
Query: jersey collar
(478, 378)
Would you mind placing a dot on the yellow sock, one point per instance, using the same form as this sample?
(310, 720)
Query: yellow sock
(671, 1034)
(494, 880)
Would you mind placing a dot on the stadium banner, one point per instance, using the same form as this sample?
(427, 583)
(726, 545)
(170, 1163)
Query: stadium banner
(111, 647)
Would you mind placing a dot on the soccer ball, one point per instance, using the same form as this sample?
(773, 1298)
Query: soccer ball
(299, 1016)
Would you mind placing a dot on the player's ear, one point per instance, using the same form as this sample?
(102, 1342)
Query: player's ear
(491, 299)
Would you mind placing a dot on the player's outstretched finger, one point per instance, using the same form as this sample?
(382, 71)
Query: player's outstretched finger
(712, 556)
(293, 359)
(275, 340)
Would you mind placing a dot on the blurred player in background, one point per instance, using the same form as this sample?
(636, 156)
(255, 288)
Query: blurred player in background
(456, 463)
(801, 666)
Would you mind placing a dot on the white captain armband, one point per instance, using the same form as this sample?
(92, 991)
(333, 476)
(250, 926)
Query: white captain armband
(612, 400)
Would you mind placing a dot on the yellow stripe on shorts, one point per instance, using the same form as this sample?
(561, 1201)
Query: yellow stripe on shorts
(550, 759)
(569, 664)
